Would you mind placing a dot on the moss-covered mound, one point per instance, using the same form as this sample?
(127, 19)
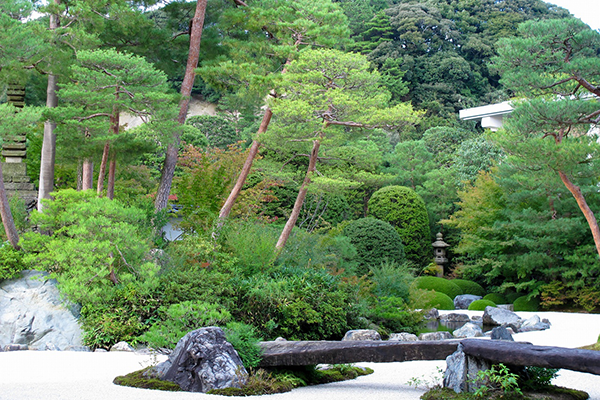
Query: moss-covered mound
(496, 298)
(260, 381)
(437, 300)
(469, 287)
(439, 285)
(480, 305)
(139, 380)
(524, 304)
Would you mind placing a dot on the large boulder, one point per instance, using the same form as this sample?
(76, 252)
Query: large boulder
(498, 316)
(454, 317)
(463, 301)
(362, 334)
(534, 324)
(468, 330)
(33, 315)
(203, 360)
(461, 371)
(403, 337)
(441, 335)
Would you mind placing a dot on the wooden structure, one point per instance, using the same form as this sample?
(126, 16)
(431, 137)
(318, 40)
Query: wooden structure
(290, 353)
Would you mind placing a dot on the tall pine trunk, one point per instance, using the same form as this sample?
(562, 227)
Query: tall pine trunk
(168, 171)
(289, 225)
(7, 218)
(110, 185)
(87, 174)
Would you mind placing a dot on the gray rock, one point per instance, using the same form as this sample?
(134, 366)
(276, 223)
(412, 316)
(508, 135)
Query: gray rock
(442, 335)
(432, 314)
(461, 371)
(362, 334)
(122, 346)
(14, 347)
(33, 314)
(509, 307)
(462, 301)
(498, 316)
(455, 317)
(501, 333)
(203, 360)
(533, 324)
(468, 330)
(403, 337)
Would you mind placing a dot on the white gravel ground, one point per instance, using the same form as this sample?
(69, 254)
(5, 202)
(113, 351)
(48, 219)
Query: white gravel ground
(30, 375)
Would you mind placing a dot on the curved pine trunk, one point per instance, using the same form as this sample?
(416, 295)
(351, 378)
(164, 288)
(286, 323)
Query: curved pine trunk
(237, 188)
(102, 170)
(583, 206)
(168, 171)
(289, 225)
(7, 218)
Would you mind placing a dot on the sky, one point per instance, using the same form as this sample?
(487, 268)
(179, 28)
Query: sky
(586, 10)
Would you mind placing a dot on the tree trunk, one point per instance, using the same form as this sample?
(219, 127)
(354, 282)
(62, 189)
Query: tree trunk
(87, 179)
(46, 185)
(289, 225)
(168, 171)
(102, 170)
(110, 186)
(237, 188)
(7, 218)
(583, 206)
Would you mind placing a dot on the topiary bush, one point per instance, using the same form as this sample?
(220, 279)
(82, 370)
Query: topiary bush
(437, 300)
(404, 209)
(480, 305)
(440, 285)
(469, 287)
(524, 303)
(496, 298)
(511, 297)
(375, 241)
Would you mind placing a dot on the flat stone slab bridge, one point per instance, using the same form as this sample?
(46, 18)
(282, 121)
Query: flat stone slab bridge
(292, 353)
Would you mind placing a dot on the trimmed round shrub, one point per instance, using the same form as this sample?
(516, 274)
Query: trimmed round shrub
(480, 305)
(375, 241)
(437, 300)
(511, 297)
(496, 298)
(469, 287)
(524, 304)
(440, 285)
(405, 210)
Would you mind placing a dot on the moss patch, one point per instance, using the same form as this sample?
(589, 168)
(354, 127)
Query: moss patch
(139, 380)
(279, 380)
(595, 346)
(548, 393)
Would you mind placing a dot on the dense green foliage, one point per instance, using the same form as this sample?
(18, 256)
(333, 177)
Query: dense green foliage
(375, 241)
(405, 211)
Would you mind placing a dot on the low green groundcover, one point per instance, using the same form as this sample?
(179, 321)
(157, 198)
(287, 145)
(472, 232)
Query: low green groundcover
(260, 381)
(548, 393)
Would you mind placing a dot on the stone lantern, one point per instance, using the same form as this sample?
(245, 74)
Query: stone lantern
(439, 252)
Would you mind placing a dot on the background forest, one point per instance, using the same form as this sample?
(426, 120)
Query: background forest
(343, 118)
